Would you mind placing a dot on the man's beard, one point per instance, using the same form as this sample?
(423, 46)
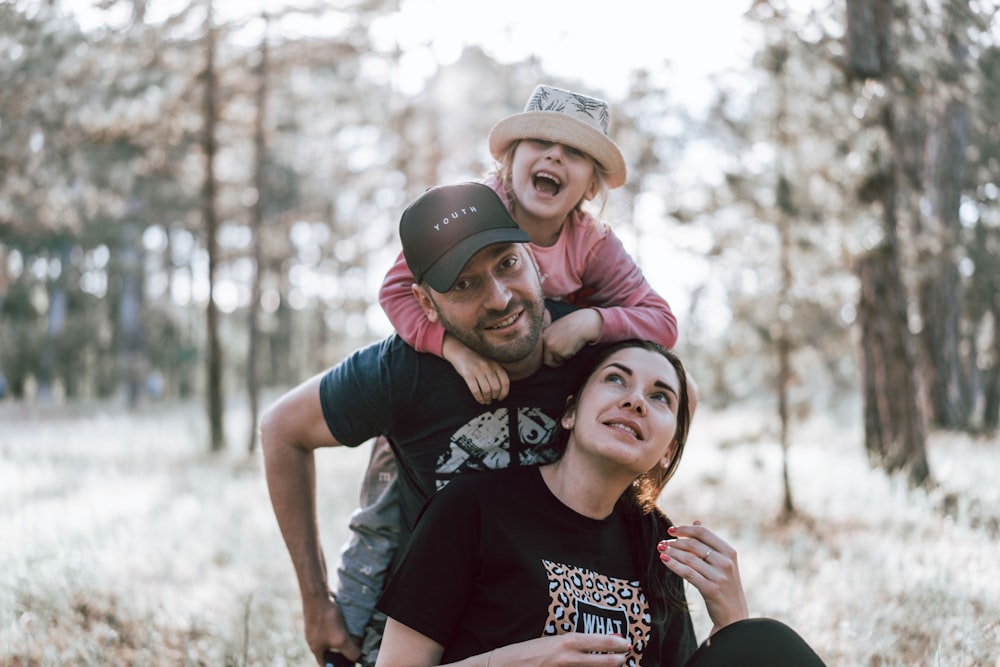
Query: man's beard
(506, 352)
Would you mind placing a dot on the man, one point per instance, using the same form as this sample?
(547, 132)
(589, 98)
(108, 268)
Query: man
(475, 275)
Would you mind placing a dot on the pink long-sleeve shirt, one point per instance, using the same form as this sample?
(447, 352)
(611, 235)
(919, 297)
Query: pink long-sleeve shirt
(587, 266)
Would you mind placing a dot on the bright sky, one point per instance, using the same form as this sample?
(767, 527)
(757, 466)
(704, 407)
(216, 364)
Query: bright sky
(583, 40)
(681, 43)
(577, 39)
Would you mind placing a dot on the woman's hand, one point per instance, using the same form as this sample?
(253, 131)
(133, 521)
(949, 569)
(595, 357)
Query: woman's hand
(402, 645)
(708, 563)
(575, 649)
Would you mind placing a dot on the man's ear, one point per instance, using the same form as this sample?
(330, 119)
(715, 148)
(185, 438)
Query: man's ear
(424, 299)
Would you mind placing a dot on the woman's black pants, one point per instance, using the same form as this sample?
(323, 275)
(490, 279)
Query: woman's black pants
(755, 642)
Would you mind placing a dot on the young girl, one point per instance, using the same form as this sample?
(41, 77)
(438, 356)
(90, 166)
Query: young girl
(573, 563)
(553, 158)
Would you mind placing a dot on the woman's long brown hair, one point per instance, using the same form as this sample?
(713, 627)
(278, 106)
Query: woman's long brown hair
(664, 589)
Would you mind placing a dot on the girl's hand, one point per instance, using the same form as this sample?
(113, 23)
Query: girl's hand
(564, 337)
(486, 379)
(708, 563)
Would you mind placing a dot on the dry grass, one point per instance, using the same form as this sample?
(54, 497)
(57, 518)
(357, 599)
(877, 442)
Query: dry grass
(869, 572)
(123, 543)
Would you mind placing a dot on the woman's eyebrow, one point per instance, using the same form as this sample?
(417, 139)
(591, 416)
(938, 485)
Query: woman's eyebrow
(628, 371)
(621, 367)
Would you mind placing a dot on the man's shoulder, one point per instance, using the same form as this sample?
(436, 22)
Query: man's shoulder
(367, 364)
(391, 367)
(389, 349)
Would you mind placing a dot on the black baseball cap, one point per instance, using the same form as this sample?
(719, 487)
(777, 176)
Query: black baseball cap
(447, 225)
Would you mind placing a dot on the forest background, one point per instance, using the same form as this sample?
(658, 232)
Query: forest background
(196, 211)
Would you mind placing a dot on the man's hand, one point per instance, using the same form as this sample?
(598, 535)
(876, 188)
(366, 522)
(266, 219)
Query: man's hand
(564, 337)
(486, 379)
(325, 630)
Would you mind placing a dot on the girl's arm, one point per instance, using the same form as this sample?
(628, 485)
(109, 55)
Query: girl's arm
(616, 301)
(614, 285)
(486, 379)
(404, 312)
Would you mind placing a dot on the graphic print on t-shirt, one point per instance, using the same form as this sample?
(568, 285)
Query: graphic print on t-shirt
(581, 600)
(486, 443)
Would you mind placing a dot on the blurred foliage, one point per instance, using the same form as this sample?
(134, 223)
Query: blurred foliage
(99, 147)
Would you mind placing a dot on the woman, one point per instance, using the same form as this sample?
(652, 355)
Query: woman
(572, 563)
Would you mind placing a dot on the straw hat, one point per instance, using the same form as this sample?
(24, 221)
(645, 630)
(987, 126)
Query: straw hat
(563, 117)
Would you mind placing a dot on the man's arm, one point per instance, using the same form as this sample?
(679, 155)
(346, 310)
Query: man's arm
(291, 430)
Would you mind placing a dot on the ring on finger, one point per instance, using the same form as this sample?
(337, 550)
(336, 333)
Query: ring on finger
(707, 554)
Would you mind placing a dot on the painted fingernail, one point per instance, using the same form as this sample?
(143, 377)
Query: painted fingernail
(665, 558)
(672, 530)
(662, 546)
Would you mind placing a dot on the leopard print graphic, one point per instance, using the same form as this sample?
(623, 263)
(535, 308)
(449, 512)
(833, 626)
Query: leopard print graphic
(586, 601)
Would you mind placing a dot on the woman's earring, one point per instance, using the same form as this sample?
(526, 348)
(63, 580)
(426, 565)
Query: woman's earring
(567, 423)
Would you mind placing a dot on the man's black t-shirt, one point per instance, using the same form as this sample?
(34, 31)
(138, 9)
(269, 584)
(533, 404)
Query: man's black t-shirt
(437, 429)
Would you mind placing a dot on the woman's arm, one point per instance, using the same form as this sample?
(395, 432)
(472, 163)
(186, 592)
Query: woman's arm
(405, 647)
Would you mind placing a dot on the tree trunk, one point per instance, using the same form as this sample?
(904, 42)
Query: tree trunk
(130, 314)
(4, 275)
(991, 379)
(784, 349)
(279, 340)
(217, 440)
(786, 213)
(940, 305)
(57, 313)
(865, 26)
(784, 379)
(894, 428)
(256, 222)
(940, 291)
